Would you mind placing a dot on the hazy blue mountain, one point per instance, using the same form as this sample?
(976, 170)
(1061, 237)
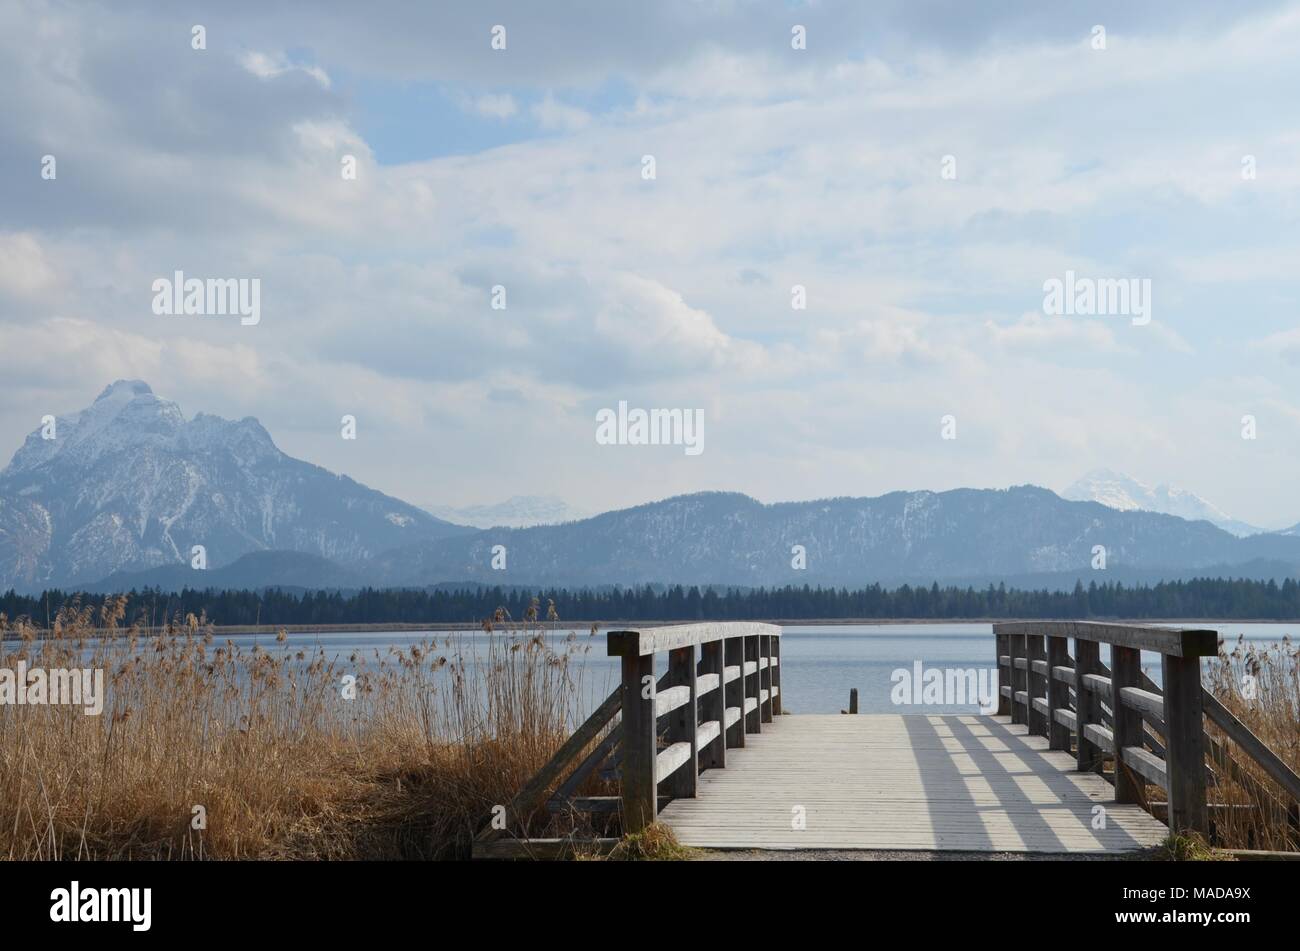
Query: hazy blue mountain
(129, 484)
(257, 569)
(1118, 491)
(728, 538)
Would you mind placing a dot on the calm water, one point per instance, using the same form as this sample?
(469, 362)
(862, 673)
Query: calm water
(819, 664)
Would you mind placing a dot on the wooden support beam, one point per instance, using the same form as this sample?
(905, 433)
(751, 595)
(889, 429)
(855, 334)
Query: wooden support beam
(765, 677)
(776, 676)
(733, 652)
(1087, 708)
(640, 793)
(1126, 671)
(1004, 678)
(1058, 694)
(683, 722)
(1015, 651)
(1185, 743)
(753, 718)
(1036, 682)
(713, 705)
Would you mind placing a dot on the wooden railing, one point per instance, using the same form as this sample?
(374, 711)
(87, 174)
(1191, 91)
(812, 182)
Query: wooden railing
(654, 735)
(1154, 735)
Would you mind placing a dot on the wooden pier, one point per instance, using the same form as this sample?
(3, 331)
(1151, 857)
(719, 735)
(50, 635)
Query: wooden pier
(1069, 763)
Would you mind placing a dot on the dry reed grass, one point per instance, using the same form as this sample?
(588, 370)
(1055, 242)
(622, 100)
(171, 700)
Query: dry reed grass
(264, 741)
(1261, 686)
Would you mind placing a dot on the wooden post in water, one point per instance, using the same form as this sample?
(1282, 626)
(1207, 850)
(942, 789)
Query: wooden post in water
(853, 700)
(1126, 722)
(1087, 660)
(683, 723)
(713, 706)
(1185, 743)
(1058, 694)
(640, 795)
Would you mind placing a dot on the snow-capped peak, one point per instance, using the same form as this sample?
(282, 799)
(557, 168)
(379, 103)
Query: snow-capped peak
(1122, 492)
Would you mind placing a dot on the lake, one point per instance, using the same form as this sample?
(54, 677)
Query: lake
(819, 663)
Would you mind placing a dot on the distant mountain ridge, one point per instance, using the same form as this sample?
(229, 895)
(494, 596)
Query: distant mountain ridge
(1118, 491)
(915, 537)
(129, 484)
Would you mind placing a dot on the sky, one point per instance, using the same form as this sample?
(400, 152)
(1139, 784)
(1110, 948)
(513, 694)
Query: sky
(920, 170)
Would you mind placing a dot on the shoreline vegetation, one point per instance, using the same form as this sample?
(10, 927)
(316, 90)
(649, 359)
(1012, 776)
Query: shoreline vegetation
(444, 608)
(206, 749)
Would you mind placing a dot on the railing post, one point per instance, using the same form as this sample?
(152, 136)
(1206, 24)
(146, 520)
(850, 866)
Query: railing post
(1058, 694)
(640, 797)
(1184, 743)
(713, 706)
(765, 677)
(776, 675)
(1087, 708)
(683, 723)
(754, 720)
(1015, 650)
(1126, 723)
(1003, 650)
(734, 656)
(1035, 684)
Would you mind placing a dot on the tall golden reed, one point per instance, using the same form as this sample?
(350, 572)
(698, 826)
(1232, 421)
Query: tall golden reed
(206, 749)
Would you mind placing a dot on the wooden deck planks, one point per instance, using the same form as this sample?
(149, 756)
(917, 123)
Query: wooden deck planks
(947, 782)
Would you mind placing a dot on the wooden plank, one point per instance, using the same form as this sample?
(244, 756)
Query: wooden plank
(654, 639)
(733, 715)
(708, 732)
(707, 683)
(638, 773)
(683, 724)
(541, 849)
(1251, 745)
(670, 699)
(1126, 672)
(586, 804)
(531, 795)
(1178, 642)
(964, 782)
(1146, 764)
(731, 673)
(1099, 736)
(1185, 743)
(672, 759)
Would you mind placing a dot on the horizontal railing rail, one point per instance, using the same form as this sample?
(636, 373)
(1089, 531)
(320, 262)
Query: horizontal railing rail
(1120, 713)
(655, 735)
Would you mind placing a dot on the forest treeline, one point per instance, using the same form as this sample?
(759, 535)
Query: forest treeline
(1224, 599)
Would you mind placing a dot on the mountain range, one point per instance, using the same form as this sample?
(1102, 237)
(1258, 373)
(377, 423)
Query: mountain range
(117, 495)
